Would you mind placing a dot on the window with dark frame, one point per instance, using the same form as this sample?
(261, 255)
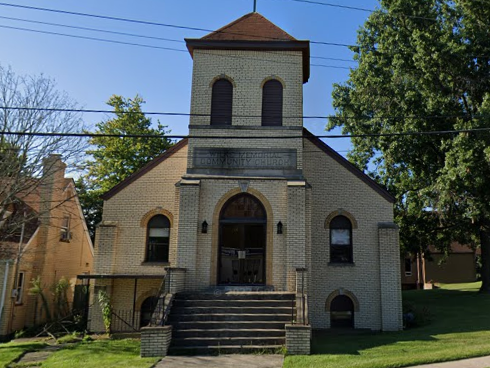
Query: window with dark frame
(158, 239)
(19, 288)
(65, 234)
(341, 240)
(222, 102)
(408, 267)
(272, 100)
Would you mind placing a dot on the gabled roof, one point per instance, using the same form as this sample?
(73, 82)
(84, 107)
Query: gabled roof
(150, 165)
(346, 164)
(250, 27)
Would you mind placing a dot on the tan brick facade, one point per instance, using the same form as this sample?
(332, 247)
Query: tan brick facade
(59, 248)
(303, 199)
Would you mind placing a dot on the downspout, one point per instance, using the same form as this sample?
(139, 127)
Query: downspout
(4, 288)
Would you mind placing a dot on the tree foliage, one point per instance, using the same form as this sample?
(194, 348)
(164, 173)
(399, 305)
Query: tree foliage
(115, 158)
(23, 164)
(425, 66)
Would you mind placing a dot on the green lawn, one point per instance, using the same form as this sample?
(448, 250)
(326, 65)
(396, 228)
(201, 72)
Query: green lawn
(460, 328)
(100, 353)
(11, 351)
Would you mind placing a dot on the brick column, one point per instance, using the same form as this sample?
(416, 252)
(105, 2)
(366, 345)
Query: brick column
(188, 228)
(389, 257)
(298, 339)
(296, 232)
(105, 240)
(155, 341)
(176, 279)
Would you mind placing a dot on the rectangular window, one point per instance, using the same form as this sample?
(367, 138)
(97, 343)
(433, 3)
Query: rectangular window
(19, 288)
(408, 267)
(65, 234)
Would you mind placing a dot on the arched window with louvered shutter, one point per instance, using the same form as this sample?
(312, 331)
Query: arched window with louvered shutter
(221, 102)
(272, 103)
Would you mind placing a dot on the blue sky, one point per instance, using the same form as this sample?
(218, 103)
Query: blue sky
(90, 72)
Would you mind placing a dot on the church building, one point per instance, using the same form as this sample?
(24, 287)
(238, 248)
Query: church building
(251, 202)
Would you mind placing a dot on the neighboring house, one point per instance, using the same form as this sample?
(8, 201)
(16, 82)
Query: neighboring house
(55, 244)
(457, 267)
(255, 203)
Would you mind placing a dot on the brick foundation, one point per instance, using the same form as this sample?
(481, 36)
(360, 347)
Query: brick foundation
(155, 341)
(298, 339)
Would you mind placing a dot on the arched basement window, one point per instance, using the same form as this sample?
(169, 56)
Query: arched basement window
(340, 240)
(158, 239)
(342, 312)
(272, 103)
(221, 102)
(146, 311)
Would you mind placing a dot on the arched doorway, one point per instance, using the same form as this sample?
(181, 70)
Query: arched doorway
(146, 310)
(242, 241)
(342, 312)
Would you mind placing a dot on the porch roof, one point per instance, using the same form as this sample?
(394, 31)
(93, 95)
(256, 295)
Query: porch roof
(119, 276)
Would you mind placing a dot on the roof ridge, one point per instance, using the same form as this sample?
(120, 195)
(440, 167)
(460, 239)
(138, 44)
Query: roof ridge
(253, 35)
(348, 165)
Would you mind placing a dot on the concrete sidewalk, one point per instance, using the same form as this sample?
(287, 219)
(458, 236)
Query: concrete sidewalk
(482, 362)
(222, 361)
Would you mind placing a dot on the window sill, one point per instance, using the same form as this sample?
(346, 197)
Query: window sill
(19, 304)
(156, 264)
(341, 264)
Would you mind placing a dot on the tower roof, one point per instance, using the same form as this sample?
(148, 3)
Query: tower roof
(250, 27)
(252, 32)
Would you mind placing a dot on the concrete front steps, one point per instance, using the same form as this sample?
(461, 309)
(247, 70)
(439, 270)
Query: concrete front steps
(230, 322)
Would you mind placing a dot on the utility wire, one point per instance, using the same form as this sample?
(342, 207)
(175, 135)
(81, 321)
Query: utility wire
(152, 23)
(164, 48)
(94, 39)
(333, 117)
(136, 35)
(162, 136)
(92, 29)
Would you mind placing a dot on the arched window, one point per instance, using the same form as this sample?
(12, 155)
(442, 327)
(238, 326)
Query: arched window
(158, 239)
(221, 102)
(342, 312)
(340, 240)
(272, 103)
(146, 311)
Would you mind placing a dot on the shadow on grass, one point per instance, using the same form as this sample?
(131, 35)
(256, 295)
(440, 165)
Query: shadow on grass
(452, 311)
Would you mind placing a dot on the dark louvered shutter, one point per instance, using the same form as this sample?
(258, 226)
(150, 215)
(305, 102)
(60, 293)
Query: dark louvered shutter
(221, 102)
(272, 103)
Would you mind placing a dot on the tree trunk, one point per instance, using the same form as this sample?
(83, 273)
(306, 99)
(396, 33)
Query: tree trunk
(485, 259)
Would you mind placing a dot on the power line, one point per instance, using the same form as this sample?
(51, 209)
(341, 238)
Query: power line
(333, 117)
(107, 17)
(260, 137)
(162, 48)
(135, 35)
(94, 39)
(335, 5)
(362, 9)
(92, 29)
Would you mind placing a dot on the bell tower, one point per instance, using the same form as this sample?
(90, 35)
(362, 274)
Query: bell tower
(247, 97)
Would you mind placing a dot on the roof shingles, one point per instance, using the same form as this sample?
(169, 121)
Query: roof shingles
(250, 27)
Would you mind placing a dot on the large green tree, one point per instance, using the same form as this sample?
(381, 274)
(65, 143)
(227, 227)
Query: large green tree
(115, 158)
(424, 66)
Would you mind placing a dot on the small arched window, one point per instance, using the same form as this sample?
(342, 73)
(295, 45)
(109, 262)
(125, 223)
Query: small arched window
(340, 240)
(158, 239)
(272, 103)
(342, 312)
(221, 102)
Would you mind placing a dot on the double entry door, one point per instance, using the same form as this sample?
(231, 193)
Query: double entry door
(242, 253)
